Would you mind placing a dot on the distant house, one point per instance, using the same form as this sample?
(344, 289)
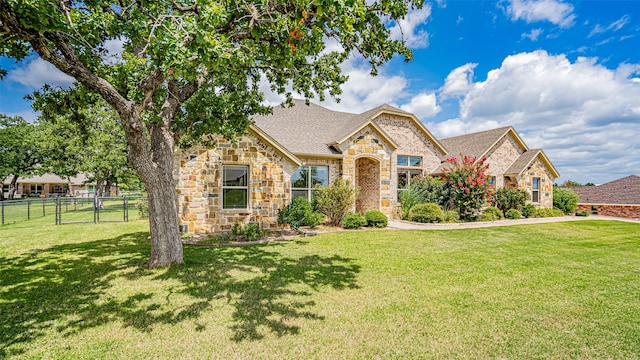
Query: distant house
(288, 153)
(50, 185)
(619, 198)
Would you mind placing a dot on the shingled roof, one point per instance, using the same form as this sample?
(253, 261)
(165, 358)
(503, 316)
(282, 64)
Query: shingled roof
(304, 129)
(523, 162)
(312, 129)
(625, 191)
(479, 143)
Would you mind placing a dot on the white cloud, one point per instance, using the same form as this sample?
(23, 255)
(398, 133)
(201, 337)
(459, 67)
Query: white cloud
(37, 72)
(533, 35)
(459, 81)
(363, 91)
(553, 11)
(614, 26)
(409, 28)
(585, 116)
(360, 93)
(423, 105)
(113, 50)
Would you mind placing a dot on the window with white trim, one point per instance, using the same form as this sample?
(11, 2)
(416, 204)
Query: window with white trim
(408, 168)
(535, 189)
(36, 188)
(235, 187)
(306, 178)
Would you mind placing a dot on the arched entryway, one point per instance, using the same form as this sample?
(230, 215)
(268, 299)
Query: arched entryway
(368, 180)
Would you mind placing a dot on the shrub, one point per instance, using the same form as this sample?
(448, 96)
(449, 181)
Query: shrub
(375, 218)
(298, 213)
(143, 208)
(491, 213)
(426, 213)
(506, 199)
(545, 213)
(430, 190)
(335, 200)
(565, 200)
(451, 216)
(468, 186)
(246, 232)
(513, 214)
(582, 213)
(313, 219)
(529, 211)
(408, 198)
(353, 221)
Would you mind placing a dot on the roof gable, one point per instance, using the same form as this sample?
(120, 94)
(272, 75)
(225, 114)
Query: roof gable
(524, 161)
(310, 129)
(480, 143)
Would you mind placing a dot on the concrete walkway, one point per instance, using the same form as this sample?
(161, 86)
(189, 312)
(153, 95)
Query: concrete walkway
(407, 225)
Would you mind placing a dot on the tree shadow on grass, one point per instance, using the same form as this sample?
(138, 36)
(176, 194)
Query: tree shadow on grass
(70, 288)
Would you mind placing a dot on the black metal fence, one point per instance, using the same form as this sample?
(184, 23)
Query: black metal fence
(68, 210)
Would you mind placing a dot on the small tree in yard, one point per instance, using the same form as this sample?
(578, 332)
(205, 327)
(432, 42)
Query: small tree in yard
(468, 186)
(506, 199)
(192, 67)
(565, 200)
(336, 200)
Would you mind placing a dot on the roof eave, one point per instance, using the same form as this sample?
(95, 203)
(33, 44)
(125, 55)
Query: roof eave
(276, 145)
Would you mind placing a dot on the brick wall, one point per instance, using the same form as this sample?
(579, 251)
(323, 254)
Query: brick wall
(500, 158)
(411, 141)
(368, 180)
(624, 211)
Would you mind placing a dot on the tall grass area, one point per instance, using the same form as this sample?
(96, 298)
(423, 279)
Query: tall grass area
(561, 290)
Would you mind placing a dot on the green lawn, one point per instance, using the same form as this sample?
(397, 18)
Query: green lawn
(561, 290)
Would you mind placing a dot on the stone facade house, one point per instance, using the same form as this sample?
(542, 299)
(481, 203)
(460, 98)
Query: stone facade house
(511, 162)
(619, 198)
(288, 153)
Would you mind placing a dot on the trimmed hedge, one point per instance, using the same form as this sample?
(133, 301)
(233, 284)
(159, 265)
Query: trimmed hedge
(375, 218)
(353, 220)
(426, 213)
(513, 214)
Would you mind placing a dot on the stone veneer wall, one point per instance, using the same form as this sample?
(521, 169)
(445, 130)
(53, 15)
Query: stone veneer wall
(371, 146)
(500, 158)
(198, 176)
(624, 211)
(411, 141)
(538, 169)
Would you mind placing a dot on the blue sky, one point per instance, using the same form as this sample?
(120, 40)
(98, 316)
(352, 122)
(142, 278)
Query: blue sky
(565, 74)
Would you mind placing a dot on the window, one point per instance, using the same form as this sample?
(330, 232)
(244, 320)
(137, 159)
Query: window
(235, 187)
(412, 161)
(306, 178)
(491, 180)
(91, 189)
(405, 175)
(535, 189)
(36, 188)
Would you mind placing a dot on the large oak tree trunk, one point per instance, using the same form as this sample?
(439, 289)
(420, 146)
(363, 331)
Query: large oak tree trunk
(166, 245)
(156, 171)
